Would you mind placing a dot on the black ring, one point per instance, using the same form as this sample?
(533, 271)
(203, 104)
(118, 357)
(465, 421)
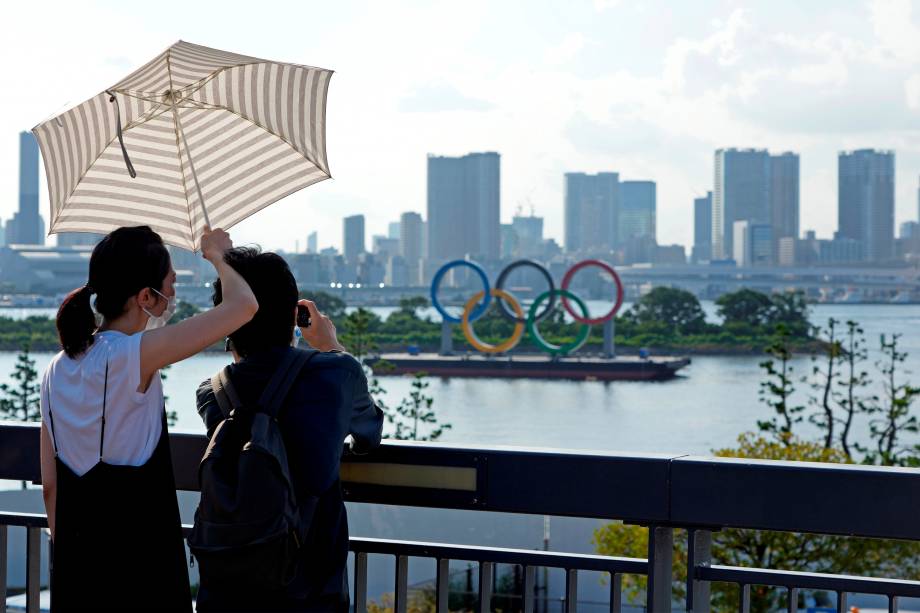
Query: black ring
(503, 308)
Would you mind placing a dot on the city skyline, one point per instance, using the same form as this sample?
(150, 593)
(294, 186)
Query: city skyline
(673, 84)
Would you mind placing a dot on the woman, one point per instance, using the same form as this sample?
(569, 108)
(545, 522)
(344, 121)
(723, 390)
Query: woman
(106, 470)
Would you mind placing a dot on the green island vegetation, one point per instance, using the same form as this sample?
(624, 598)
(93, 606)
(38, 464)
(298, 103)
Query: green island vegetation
(664, 320)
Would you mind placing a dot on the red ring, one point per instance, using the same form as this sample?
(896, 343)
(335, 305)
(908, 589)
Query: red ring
(616, 278)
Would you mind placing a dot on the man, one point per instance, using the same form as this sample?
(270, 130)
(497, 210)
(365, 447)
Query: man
(327, 402)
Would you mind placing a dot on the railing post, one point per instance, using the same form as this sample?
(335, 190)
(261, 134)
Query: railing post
(360, 582)
(792, 606)
(3, 543)
(530, 575)
(744, 600)
(33, 568)
(699, 554)
(571, 590)
(485, 587)
(660, 552)
(400, 603)
(442, 584)
(842, 601)
(892, 604)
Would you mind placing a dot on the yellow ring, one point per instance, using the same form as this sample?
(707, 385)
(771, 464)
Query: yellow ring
(470, 334)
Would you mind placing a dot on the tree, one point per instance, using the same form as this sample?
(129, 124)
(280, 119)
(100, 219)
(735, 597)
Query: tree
(849, 396)
(358, 328)
(776, 391)
(824, 376)
(791, 310)
(745, 306)
(184, 310)
(894, 413)
(21, 401)
(678, 309)
(329, 305)
(415, 411)
(410, 305)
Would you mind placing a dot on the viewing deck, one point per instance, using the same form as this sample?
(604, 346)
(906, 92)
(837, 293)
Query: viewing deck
(663, 492)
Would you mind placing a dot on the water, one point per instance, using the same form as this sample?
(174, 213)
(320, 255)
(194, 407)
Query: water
(713, 400)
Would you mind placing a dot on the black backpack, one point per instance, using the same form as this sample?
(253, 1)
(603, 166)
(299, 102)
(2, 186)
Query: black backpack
(248, 525)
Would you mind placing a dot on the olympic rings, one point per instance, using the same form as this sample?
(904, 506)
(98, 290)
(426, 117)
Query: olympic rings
(501, 282)
(474, 309)
(470, 334)
(585, 319)
(436, 283)
(535, 333)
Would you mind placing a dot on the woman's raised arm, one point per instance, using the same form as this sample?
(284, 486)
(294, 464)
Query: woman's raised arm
(176, 342)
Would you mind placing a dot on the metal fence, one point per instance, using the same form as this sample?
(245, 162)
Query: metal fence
(663, 492)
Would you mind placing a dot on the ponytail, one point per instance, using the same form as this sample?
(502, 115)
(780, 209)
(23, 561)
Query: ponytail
(76, 322)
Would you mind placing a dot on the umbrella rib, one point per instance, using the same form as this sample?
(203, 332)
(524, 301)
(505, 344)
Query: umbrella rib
(188, 205)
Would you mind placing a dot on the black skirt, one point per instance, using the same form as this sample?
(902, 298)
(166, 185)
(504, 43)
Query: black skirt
(118, 542)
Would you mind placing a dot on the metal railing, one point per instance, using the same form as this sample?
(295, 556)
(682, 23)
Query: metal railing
(660, 491)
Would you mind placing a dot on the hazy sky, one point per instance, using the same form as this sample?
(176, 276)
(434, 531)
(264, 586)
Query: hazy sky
(648, 89)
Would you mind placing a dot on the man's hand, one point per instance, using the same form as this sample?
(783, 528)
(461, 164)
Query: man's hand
(321, 333)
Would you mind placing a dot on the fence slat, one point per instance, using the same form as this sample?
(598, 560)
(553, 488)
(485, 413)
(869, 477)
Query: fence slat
(660, 552)
(402, 584)
(571, 590)
(616, 593)
(442, 585)
(842, 602)
(360, 582)
(892, 604)
(744, 600)
(699, 555)
(485, 587)
(530, 578)
(33, 568)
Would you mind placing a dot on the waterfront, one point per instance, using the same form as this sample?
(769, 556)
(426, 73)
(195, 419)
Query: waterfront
(713, 400)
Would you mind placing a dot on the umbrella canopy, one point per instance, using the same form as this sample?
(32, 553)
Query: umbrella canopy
(196, 136)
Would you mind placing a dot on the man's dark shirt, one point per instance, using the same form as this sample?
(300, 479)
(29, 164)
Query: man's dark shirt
(328, 401)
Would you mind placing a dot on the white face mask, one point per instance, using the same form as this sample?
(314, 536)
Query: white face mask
(154, 322)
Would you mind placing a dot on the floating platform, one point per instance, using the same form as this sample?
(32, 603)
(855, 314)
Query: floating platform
(585, 368)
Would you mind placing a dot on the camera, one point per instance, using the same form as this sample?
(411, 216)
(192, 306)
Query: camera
(303, 316)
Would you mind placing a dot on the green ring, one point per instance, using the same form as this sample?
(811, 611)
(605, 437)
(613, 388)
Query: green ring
(535, 333)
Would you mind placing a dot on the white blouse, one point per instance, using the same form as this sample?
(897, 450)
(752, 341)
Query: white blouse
(72, 390)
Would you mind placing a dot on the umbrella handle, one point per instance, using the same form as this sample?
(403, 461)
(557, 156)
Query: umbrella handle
(121, 140)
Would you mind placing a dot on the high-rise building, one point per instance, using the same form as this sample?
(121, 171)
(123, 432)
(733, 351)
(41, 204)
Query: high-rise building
(464, 206)
(529, 233)
(384, 247)
(27, 227)
(312, 242)
(636, 210)
(752, 243)
(353, 241)
(865, 201)
(702, 229)
(508, 241)
(411, 242)
(393, 229)
(591, 211)
(741, 192)
(784, 194)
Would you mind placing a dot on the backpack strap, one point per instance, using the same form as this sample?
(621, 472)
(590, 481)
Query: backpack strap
(224, 392)
(280, 384)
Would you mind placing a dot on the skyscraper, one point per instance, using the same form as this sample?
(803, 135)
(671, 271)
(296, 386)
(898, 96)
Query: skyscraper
(411, 232)
(312, 242)
(464, 206)
(27, 227)
(702, 229)
(393, 229)
(591, 211)
(741, 193)
(636, 215)
(865, 201)
(529, 233)
(784, 195)
(353, 241)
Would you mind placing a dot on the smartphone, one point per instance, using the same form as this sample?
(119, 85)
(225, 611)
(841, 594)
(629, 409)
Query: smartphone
(303, 316)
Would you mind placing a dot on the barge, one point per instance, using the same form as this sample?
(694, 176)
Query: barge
(584, 368)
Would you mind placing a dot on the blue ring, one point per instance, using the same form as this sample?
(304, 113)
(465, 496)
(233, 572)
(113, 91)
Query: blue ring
(436, 282)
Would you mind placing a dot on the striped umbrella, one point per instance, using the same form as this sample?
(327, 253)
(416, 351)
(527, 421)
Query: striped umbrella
(196, 136)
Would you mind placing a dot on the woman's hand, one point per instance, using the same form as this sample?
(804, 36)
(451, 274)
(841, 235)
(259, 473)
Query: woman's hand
(214, 244)
(321, 332)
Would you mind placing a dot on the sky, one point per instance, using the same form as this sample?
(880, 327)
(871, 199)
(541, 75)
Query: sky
(648, 89)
